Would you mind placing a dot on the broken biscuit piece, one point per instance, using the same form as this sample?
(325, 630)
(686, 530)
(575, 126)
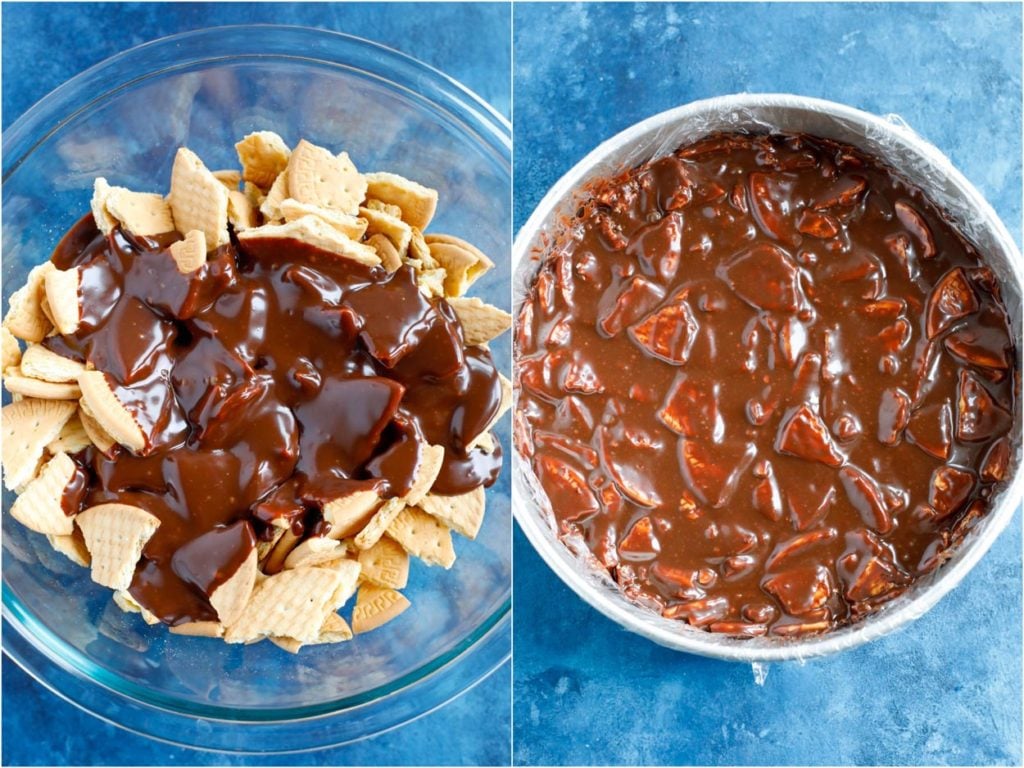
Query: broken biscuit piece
(198, 629)
(38, 362)
(423, 536)
(351, 226)
(264, 156)
(17, 383)
(28, 427)
(292, 603)
(270, 206)
(72, 438)
(393, 228)
(386, 251)
(115, 535)
(230, 178)
(230, 598)
(318, 177)
(463, 513)
(97, 434)
(25, 318)
(480, 322)
(241, 212)
(98, 396)
(431, 461)
(417, 203)
(10, 349)
(72, 547)
(379, 523)
(316, 550)
(463, 263)
(39, 507)
(376, 606)
(101, 190)
(349, 514)
(315, 232)
(189, 253)
(386, 564)
(141, 213)
(61, 290)
(198, 199)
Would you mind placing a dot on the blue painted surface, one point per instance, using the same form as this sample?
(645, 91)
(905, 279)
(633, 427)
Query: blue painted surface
(469, 43)
(947, 689)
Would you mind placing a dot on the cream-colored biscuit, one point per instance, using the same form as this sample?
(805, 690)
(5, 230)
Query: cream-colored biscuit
(101, 190)
(39, 507)
(241, 212)
(72, 438)
(115, 535)
(61, 291)
(38, 362)
(351, 226)
(199, 629)
(103, 405)
(349, 514)
(417, 202)
(386, 251)
(10, 348)
(16, 382)
(423, 536)
(293, 603)
(141, 213)
(393, 228)
(229, 177)
(431, 282)
(315, 550)
(25, 317)
(463, 513)
(124, 600)
(385, 564)
(264, 547)
(189, 253)
(318, 177)
(72, 547)
(379, 523)
(97, 434)
(28, 427)
(376, 606)
(264, 156)
(480, 322)
(198, 199)
(315, 232)
(230, 598)
(462, 262)
(426, 473)
(270, 206)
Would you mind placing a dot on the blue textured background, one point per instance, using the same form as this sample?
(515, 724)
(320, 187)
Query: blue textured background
(947, 689)
(471, 44)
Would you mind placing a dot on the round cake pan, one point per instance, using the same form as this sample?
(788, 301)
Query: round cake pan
(894, 143)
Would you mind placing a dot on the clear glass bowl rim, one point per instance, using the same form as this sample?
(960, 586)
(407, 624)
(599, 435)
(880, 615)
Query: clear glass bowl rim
(490, 641)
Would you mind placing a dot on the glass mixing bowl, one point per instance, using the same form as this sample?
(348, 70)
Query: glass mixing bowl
(124, 119)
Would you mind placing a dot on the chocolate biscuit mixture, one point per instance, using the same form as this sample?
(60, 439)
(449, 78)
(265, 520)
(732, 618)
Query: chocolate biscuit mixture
(766, 382)
(268, 382)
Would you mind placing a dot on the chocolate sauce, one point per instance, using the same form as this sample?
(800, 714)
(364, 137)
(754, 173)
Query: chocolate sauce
(766, 382)
(275, 378)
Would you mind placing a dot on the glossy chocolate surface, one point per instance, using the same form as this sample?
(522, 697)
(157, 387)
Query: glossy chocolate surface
(765, 382)
(268, 382)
